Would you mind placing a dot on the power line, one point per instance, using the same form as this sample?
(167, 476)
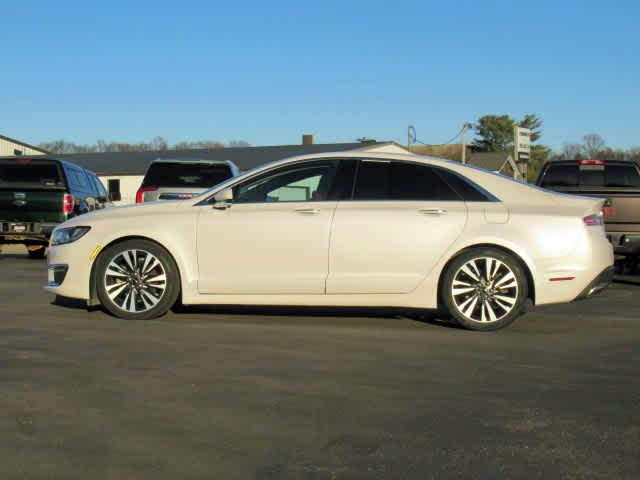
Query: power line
(413, 138)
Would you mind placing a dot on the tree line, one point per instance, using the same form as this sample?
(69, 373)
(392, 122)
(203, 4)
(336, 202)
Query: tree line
(494, 133)
(156, 144)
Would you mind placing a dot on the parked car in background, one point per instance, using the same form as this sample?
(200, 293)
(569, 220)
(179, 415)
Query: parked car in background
(36, 194)
(616, 181)
(345, 229)
(180, 179)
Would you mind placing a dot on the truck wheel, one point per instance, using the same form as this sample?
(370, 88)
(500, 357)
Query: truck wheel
(37, 253)
(137, 280)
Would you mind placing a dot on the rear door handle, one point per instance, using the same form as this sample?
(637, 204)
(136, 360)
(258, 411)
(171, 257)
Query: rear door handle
(432, 211)
(307, 211)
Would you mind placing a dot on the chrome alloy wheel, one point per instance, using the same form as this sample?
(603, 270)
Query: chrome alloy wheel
(135, 280)
(484, 290)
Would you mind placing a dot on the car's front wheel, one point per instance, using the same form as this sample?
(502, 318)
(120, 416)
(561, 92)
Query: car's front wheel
(137, 279)
(484, 289)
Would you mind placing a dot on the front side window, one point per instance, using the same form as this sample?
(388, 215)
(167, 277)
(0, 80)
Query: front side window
(300, 182)
(391, 180)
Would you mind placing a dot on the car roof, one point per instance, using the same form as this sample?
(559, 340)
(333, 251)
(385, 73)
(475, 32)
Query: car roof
(573, 162)
(46, 158)
(192, 161)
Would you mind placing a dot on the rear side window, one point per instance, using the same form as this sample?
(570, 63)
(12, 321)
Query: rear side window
(610, 176)
(189, 175)
(78, 180)
(382, 180)
(466, 190)
(27, 172)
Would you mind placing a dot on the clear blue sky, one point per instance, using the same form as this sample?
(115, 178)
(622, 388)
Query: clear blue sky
(266, 72)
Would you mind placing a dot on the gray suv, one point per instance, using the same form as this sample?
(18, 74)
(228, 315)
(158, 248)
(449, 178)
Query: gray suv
(180, 179)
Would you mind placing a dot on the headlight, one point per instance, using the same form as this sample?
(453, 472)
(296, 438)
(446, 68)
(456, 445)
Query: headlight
(67, 235)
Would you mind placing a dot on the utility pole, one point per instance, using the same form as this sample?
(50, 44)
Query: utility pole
(411, 135)
(464, 142)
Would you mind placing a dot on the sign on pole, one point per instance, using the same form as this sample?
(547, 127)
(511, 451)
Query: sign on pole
(522, 149)
(522, 143)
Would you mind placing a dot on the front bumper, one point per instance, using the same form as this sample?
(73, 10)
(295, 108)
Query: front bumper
(602, 281)
(56, 274)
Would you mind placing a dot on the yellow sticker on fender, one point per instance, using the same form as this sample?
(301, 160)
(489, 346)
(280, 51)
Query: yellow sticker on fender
(95, 252)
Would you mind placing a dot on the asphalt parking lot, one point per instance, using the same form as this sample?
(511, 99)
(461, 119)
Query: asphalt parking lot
(236, 393)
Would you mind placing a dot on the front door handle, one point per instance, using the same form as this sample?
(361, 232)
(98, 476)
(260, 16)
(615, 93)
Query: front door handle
(308, 211)
(432, 211)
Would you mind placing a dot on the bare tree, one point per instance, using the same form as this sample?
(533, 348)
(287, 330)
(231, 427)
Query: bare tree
(571, 151)
(238, 143)
(593, 144)
(158, 143)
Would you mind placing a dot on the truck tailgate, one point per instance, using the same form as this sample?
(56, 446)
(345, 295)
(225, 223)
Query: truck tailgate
(42, 206)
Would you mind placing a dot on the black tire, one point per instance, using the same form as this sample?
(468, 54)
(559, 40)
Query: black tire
(38, 254)
(485, 293)
(166, 300)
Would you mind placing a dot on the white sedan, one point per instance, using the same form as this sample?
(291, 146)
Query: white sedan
(343, 229)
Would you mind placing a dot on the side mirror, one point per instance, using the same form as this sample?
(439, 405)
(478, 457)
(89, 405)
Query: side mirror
(115, 196)
(222, 200)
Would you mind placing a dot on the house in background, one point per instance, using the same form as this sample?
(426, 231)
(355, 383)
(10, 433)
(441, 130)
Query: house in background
(498, 162)
(10, 147)
(123, 172)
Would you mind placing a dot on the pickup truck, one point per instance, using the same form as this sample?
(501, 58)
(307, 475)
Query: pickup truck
(618, 182)
(36, 194)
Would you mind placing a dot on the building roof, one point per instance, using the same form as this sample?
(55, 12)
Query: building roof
(450, 151)
(23, 144)
(136, 163)
(492, 161)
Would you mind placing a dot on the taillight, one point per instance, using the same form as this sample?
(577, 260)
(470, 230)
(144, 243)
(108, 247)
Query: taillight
(140, 193)
(607, 208)
(67, 203)
(593, 220)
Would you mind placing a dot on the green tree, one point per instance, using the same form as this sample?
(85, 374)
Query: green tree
(494, 133)
(539, 155)
(533, 123)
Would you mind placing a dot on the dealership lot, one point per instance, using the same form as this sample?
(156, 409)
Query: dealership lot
(236, 393)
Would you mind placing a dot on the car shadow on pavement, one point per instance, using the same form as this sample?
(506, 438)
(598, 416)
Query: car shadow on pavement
(432, 317)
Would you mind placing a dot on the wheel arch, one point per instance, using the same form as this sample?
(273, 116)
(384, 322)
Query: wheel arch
(525, 267)
(93, 293)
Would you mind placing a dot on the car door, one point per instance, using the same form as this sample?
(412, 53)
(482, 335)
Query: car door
(401, 220)
(274, 237)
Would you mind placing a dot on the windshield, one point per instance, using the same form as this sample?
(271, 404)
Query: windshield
(189, 175)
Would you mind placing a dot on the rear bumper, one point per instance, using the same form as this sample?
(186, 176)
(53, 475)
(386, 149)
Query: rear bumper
(602, 281)
(625, 243)
(34, 232)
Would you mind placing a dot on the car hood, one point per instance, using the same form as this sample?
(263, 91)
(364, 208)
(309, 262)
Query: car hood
(128, 211)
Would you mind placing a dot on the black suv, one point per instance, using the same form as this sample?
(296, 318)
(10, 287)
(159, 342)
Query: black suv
(38, 193)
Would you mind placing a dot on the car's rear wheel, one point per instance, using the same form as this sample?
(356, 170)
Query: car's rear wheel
(137, 279)
(484, 289)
